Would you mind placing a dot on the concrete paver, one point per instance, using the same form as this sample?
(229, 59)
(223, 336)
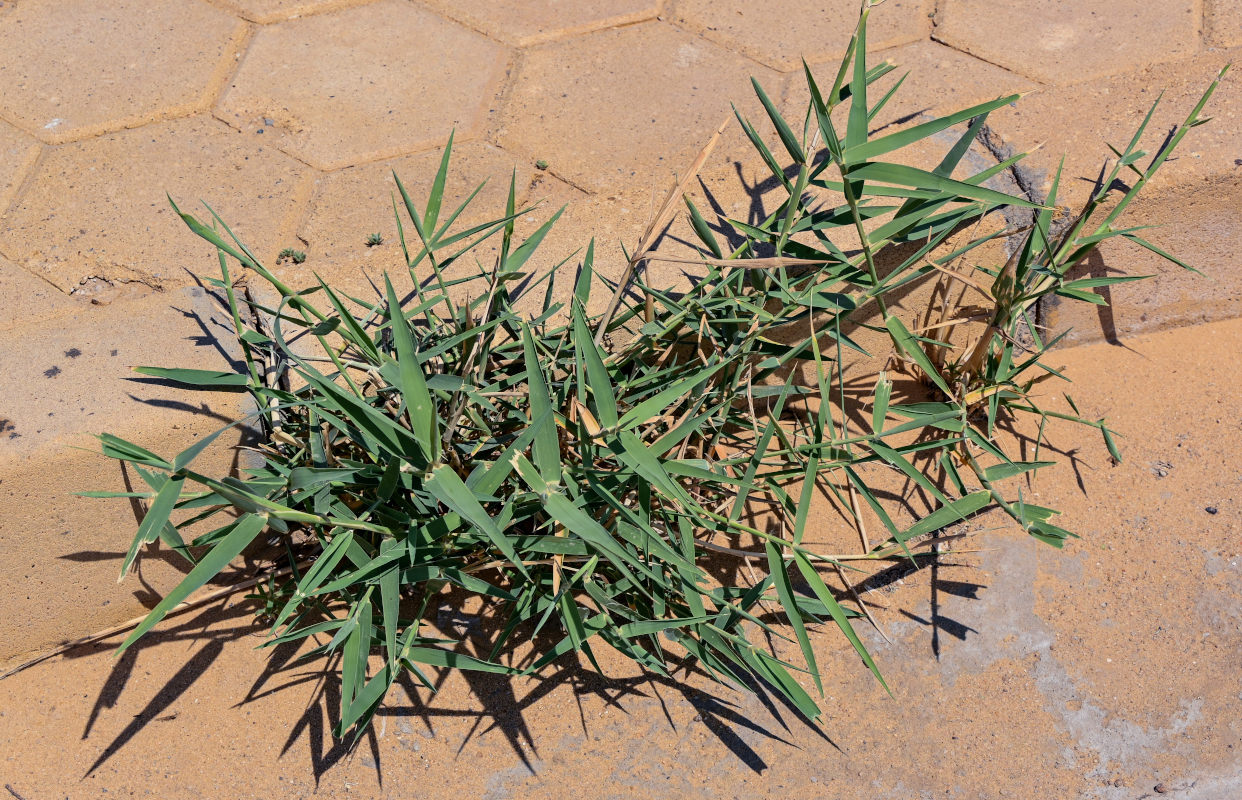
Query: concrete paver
(65, 382)
(96, 214)
(1093, 651)
(1222, 22)
(534, 21)
(351, 204)
(18, 153)
(1065, 41)
(266, 11)
(627, 106)
(1117, 686)
(781, 33)
(30, 298)
(334, 91)
(75, 68)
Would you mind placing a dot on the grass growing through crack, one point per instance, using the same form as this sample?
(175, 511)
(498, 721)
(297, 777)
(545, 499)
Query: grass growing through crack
(575, 472)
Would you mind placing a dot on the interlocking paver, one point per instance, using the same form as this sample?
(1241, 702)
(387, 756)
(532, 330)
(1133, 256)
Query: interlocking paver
(533, 21)
(1194, 196)
(28, 298)
(337, 89)
(938, 80)
(1064, 41)
(73, 68)
(1079, 121)
(17, 155)
(350, 204)
(1222, 21)
(1200, 222)
(63, 383)
(95, 211)
(782, 32)
(264, 11)
(627, 106)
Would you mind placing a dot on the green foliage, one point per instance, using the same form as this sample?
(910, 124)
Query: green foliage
(289, 254)
(374, 239)
(446, 441)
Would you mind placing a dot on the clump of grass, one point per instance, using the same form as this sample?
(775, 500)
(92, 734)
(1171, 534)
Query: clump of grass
(374, 239)
(576, 472)
(289, 254)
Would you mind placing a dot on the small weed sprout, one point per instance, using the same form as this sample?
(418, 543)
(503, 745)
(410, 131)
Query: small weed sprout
(573, 474)
(289, 254)
(374, 239)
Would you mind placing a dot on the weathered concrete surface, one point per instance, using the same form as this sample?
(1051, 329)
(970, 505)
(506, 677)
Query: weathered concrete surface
(1017, 671)
(615, 95)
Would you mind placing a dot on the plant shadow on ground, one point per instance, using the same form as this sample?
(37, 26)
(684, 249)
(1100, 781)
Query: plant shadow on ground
(495, 700)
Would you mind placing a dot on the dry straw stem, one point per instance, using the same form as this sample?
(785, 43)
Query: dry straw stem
(653, 498)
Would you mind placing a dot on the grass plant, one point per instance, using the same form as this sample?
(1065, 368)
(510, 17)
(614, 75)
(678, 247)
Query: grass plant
(575, 472)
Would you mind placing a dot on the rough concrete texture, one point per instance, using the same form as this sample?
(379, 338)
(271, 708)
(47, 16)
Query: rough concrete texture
(535, 21)
(95, 214)
(626, 106)
(784, 32)
(18, 152)
(309, 83)
(75, 68)
(1223, 22)
(64, 382)
(287, 115)
(1017, 671)
(1067, 41)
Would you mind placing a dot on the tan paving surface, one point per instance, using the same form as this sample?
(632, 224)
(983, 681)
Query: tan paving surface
(1099, 672)
(287, 116)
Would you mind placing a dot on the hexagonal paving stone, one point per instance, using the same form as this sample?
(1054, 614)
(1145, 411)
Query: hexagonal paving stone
(73, 68)
(264, 11)
(629, 105)
(351, 204)
(17, 155)
(38, 299)
(95, 216)
(780, 33)
(336, 90)
(1065, 41)
(940, 80)
(533, 21)
(1223, 22)
(1080, 121)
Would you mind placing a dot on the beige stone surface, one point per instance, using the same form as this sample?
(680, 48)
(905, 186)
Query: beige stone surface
(1207, 235)
(1118, 687)
(1066, 41)
(351, 204)
(526, 22)
(18, 153)
(96, 216)
(627, 106)
(64, 382)
(266, 11)
(1222, 22)
(336, 90)
(27, 298)
(1080, 121)
(1115, 682)
(783, 32)
(75, 68)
